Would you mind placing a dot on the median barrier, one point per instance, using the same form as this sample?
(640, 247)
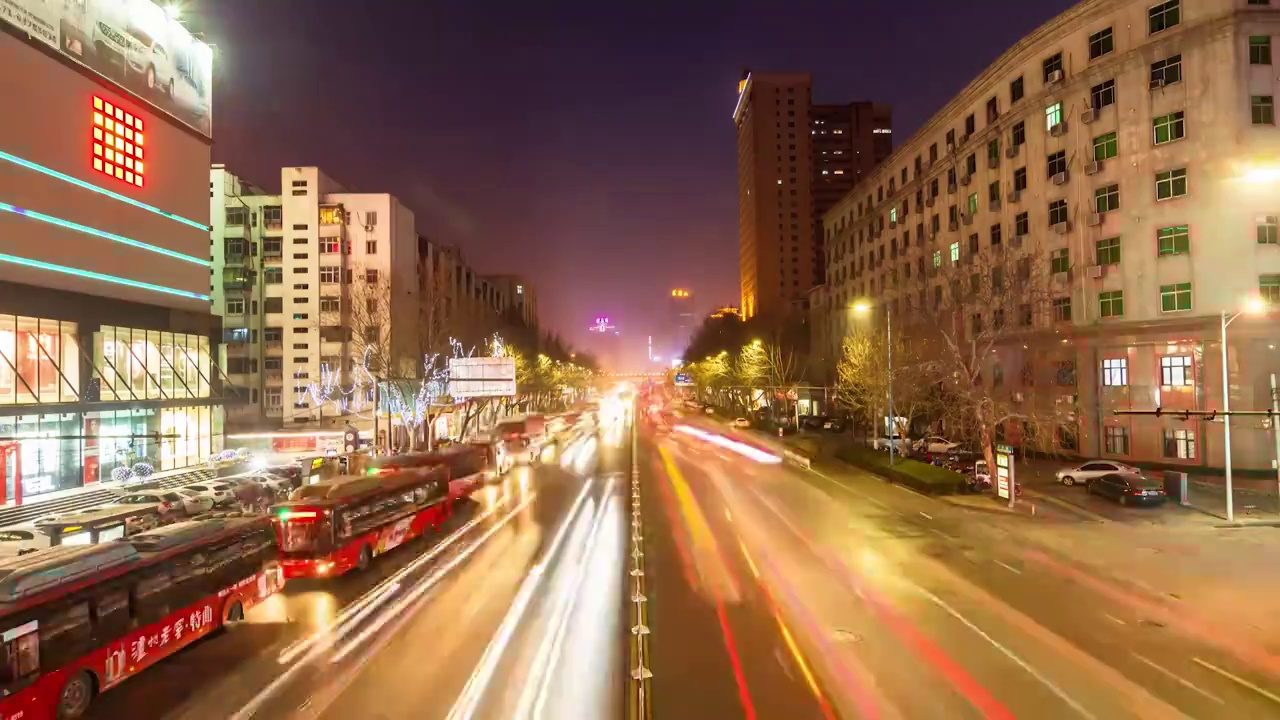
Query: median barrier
(796, 458)
(922, 477)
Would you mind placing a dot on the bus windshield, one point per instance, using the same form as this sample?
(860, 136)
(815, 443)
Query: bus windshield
(305, 535)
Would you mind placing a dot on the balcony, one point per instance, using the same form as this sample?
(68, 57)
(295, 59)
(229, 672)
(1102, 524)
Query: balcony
(236, 231)
(273, 378)
(237, 278)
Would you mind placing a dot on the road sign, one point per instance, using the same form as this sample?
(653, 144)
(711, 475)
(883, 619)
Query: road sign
(1004, 471)
(684, 380)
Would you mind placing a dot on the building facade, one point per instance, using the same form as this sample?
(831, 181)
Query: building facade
(108, 350)
(1131, 147)
(682, 323)
(794, 160)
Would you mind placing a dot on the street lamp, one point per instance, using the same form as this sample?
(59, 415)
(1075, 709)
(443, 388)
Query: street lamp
(863, 307)
(1255, 306)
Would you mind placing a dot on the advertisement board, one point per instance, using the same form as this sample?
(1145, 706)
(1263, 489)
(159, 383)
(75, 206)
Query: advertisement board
(1004, 472)
(482, 377)
(133, 43)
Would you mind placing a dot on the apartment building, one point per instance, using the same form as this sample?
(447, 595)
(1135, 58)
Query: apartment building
(1132, 147)
(317, 277)
(794, 160)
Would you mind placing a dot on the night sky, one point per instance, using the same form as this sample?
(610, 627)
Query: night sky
(587, 145)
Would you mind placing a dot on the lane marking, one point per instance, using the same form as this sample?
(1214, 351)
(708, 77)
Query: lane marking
(926, 515)
(1178, 679)
(1238, 680)
(1114, 619)
(1007, 566)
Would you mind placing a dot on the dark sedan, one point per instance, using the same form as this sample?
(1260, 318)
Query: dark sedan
(1128, 489)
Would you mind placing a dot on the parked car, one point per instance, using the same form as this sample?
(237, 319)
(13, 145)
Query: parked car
(22, 540)
(1088, 472)
(835, 425)
(168, 505)
(899, 443)
(195, 501)
(278, 485)
(935, 445)
(220, 493)
(1128, 488)
(813, 422)
(741, 423)
(292, 473)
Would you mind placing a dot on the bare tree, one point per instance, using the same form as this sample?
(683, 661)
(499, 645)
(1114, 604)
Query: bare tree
(863, 378)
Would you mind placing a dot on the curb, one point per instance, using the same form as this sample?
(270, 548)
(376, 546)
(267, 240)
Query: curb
(1066, 505)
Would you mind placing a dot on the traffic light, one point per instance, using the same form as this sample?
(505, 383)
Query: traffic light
(350, 439)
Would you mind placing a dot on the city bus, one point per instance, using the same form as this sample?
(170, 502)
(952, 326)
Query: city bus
(77, 620)
(468, 465)
(332, 527)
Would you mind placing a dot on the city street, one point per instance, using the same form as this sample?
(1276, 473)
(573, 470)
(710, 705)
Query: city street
(779, 591)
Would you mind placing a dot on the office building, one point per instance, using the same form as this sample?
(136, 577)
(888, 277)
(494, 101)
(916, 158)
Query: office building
(1131, 148)
(681, 323)
(108, 350)
(781, 138)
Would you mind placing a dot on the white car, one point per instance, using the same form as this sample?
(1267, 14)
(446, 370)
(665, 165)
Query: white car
(22, 540)
(883, 442)
(196, 502)
(1087, 472)
(936, 445)
(741, 423)
(168, 504)
(219, 493)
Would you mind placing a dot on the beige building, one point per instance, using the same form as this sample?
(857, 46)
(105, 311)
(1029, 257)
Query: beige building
(794, 160)
(1133, 146)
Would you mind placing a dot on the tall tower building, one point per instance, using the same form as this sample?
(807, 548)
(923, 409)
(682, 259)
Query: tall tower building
(681, 322)
(779, 165)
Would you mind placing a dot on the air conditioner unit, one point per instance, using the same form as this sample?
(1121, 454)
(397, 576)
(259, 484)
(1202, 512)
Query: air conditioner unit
(965, 180)
(1157, 83)
(951, 188)
(1055, 77)
(1062, 228)
(1012, 151)
(1088, 116)
(1095, 219)
(1096, 272)
(1014, 195)
(1092, 168)
(993, 204)
(1061, 178)
(993, 161)
(966, 218)
(1058, 130)
(929, 202)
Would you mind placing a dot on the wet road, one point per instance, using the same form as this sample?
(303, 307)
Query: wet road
(778, 592)
(512, 609)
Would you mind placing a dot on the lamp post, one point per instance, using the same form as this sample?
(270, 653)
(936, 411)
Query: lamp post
(865, 307)
(1254, 307)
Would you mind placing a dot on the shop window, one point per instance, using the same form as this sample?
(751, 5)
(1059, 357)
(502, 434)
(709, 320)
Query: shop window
(39, 361)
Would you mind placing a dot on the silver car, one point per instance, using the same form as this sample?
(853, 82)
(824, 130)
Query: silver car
(1086, 473)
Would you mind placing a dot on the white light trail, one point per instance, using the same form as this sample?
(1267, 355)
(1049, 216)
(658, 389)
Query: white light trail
(743, 449)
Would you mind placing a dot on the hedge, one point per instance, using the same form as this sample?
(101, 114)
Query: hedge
(926, 478)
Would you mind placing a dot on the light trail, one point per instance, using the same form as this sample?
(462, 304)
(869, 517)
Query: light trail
(469, 699)
(743, 449)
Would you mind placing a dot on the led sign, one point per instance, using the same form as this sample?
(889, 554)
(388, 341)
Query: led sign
(117, 142)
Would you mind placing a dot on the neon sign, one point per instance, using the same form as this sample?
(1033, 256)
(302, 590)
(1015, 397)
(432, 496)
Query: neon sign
(117, 142)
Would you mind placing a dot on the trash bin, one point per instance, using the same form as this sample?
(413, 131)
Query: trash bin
(1175, 486)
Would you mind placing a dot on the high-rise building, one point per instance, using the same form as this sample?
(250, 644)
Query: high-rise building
(108, 349)
(780, 138)
(681, 323)
(514, 296)
(1130, 147)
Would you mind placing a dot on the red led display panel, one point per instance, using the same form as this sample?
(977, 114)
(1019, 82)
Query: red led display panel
(117, 142)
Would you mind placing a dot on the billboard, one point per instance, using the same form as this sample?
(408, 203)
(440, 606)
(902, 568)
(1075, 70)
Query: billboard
(133, 43)
(684, 380)
(482, 377)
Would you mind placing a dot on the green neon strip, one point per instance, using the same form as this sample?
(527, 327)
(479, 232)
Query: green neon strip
(100, 190)
(34, 215)
(28, 262)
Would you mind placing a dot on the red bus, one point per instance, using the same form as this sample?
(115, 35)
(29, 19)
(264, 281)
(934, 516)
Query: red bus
(468, 465)
(334, 526)
(76, 620)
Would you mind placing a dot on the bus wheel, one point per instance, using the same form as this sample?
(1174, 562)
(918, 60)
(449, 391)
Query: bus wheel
(73, 701)
(362, 562)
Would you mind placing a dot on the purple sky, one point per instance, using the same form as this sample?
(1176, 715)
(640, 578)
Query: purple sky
(587, 146)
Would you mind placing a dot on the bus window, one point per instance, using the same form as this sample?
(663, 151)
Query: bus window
(188, 578)
(151, 597)
(64, 634)
(19, 654)
(110, 614)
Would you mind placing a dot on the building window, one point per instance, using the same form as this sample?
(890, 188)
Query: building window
(329, 246)
(1171, 184)
(1106, 199)
(1107, 251)
(1022, 224)
(970, 125)
(1016, 90)
(1168, 128)
(995, 235)
(1104, 147)
(1175, 240)
(1102, 95)
(937, 259)
(331, 215)
(236, 216)
(1111, 304)
(330, 274)
(1052, 64)
(1260, 50)
(273, 275)
(1180, 444)
(1116, 440)
(1269, 230)
(370, 247)
(1020, 179)
(1175, 297)
(1101, 43)
(1163, 16)
(972, 204)
(330, 304)
(1060, 261)
(955, 252)
(1269, 289)
(1175, 370)
(1062, 309)
(1167, 71)
(235, 307)
(274, 398)
(1056, 164)
(1262, 109)
(1115, 372)
(1057, 212)
(1052, 115)
(371, 275)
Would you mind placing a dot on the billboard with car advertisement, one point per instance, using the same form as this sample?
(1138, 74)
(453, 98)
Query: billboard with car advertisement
(133, 43)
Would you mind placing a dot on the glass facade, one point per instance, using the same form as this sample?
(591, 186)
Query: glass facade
(42, 363)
